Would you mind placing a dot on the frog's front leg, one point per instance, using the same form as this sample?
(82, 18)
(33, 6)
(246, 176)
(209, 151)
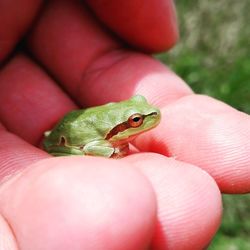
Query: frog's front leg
(99, 148)
(106, 149)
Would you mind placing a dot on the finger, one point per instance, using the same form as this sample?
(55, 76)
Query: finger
(149, 25)
(14, 22)
(80, 203)
(85, 59)
(7, 240)
(67, 39)
(30, 101)
(208, 134)
(16, 154)
(189, 202)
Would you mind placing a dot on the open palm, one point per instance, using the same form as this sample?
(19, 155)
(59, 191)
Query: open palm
(78, 55)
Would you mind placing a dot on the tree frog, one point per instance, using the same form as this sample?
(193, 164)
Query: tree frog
(104, 130)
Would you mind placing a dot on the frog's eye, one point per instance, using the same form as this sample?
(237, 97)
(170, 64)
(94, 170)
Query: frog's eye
(135, 120)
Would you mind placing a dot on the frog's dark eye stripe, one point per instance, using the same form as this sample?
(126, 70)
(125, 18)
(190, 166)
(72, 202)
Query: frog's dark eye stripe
(118, 128)
(133, 121)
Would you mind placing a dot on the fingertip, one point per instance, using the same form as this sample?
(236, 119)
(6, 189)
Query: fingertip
(189, 202)
(14, 22)
(207, 133)
(151, 26)
(89, 202)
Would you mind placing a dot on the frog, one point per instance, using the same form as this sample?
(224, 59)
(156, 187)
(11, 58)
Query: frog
(104, 130)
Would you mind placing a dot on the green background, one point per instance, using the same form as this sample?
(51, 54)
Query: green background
(213, 57)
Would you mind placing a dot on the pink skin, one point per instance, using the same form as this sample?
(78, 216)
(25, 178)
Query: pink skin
(143, 200)
(15, 21)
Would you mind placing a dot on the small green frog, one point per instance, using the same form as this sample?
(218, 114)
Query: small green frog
(103, 130)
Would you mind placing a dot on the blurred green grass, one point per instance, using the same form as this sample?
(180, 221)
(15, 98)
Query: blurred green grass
(213, 57)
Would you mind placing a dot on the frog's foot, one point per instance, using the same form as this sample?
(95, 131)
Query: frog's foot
(120, 151)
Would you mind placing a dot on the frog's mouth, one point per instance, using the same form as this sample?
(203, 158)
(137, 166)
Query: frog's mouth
(124, 126)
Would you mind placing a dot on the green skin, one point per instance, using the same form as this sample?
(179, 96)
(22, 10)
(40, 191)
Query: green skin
(101, 131)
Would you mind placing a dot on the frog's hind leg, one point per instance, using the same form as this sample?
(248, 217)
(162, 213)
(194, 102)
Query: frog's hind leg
(65, 151)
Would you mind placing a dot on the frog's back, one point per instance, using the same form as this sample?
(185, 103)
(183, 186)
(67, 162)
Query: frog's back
(78, 128)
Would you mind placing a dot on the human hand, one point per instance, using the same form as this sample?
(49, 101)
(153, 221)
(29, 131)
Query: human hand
(95, 203)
